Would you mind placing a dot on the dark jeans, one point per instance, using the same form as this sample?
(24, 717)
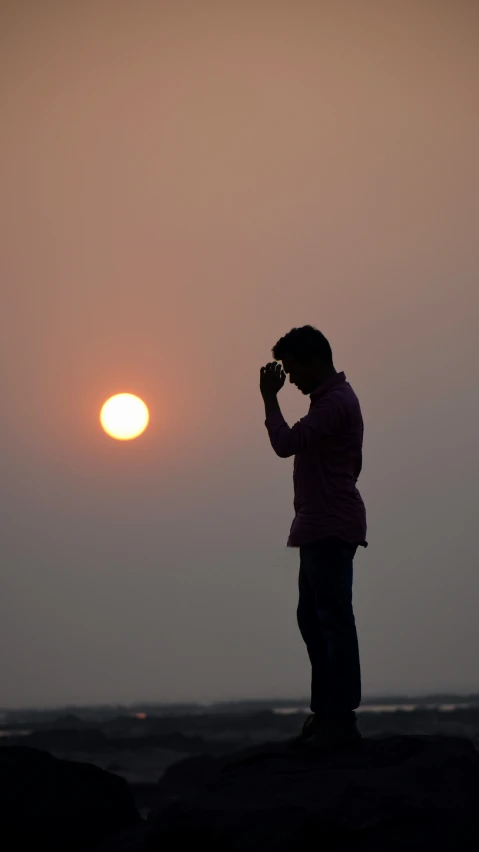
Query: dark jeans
(327, 625)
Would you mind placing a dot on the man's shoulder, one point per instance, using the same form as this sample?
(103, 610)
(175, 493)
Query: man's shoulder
(338, 395)
(341, 405)
(348, 392)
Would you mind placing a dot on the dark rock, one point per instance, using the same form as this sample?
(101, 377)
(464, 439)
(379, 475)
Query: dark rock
(134, 839)
(55, 804)
(175, 741)
(385, 795)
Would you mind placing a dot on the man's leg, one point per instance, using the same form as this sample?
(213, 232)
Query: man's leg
(314, 640)
(326, 571)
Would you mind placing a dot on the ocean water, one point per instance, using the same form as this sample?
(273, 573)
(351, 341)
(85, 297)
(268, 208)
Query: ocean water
(16, 733)
(382, 708)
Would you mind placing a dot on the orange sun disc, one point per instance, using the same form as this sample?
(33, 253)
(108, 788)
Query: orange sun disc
(124, 416)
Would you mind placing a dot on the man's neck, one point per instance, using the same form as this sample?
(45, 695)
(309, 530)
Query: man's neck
(323, 376)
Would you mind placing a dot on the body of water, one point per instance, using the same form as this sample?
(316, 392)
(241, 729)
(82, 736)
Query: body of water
(382, 708)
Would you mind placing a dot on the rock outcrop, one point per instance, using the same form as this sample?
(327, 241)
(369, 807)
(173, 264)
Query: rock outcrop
(56, 805)
(388, 794)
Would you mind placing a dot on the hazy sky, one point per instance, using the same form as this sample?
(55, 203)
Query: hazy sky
(182, 183)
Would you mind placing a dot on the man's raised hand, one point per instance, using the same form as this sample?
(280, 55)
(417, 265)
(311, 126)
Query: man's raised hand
(272, 379)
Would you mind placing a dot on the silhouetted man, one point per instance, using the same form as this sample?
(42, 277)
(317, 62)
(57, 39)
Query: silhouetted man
(329, 524)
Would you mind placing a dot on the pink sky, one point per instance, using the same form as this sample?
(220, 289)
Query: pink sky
(182, 183)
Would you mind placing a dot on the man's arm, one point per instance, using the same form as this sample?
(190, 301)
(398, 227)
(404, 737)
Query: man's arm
(322, 420)
(271, 404)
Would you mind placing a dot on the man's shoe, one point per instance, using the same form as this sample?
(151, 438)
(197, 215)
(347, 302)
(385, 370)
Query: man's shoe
(309, 726)
(333, 734)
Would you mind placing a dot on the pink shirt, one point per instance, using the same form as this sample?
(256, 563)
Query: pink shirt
(327, 448)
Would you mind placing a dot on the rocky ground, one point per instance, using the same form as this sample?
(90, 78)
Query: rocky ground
(140, 746)
(389, 792)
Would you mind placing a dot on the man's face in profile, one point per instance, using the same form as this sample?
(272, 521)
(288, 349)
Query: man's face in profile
(301, 375)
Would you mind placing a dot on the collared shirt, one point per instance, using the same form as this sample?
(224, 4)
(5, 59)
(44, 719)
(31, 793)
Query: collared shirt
(327, 448)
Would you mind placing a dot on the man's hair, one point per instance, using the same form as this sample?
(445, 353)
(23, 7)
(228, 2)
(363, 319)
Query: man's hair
(303, 344)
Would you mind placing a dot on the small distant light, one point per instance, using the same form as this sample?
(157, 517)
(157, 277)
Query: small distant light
(140, 715)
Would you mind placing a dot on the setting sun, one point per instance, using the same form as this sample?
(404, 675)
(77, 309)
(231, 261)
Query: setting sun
(124, 416)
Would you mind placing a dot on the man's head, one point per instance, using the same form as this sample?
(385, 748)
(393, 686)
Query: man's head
(306, 355)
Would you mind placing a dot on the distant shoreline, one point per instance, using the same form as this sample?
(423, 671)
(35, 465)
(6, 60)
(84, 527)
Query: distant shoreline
(377, 703)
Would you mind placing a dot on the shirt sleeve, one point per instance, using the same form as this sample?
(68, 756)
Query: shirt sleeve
(322, 420)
